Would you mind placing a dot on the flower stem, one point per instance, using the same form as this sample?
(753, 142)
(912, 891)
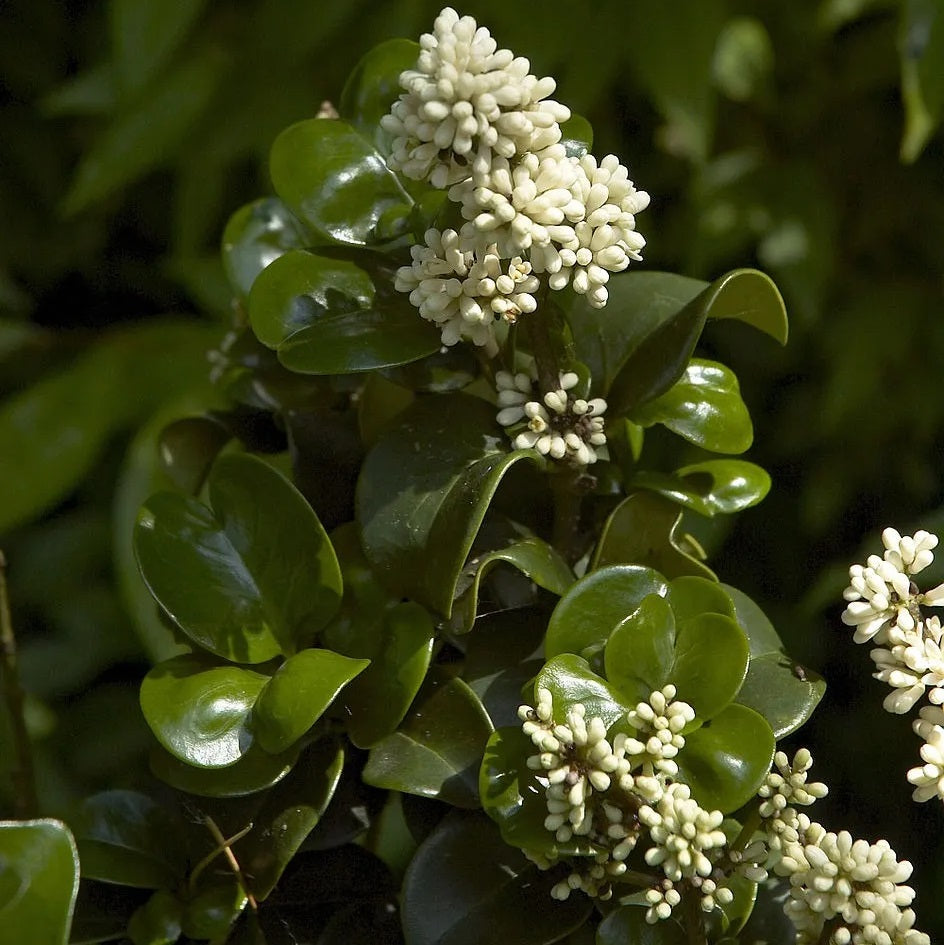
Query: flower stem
(694, 921)
(23, 775)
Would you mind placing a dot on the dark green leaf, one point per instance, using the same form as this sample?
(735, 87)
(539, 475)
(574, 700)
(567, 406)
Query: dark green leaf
(465, 882)
(418, 519)
(591, 610)
(245, 580)
(642, 529)
(569, 680)
(691, 596)
(782, 691)
(716, 486)
(128, 838)
(437, 750)
(705, 407)
(628, 925)
(640, 652)
(158, 921)
(211, 913)
(374, 86)
(39, 880)
(921, 44)
(199, 710)
(297, 695)
(761, 634)
(187, 449)
(255, 236)
(336, 182)
(255, 771)
(749, 296)
(290, 812)
(726, 760)
(145, 34)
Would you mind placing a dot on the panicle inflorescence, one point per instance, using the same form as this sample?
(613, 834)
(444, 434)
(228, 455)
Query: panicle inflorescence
(473, 120)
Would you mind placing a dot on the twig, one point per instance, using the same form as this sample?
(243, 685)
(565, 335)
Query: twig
(223, 846)
(23, 775)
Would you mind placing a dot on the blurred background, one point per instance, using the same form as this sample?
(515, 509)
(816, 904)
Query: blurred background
(799, 138)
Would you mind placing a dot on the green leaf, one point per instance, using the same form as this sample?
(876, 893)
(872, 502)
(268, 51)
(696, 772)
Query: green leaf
(148, 131)
(692, 596)
(158, 921)
(300, 289)
(243, 579)
(373, 87)
(591, 610)
(782, 691)
(628, 924)
(39, 880)
(145, 34)
(569, 680)
(532, 556)
(211, 913)
(199, 710)
(752, 297)
(717, 486)
(465, 882)
(437, 750)
(760, 632)
(705, 407)
(640, 651)
(643, 529)
(128, 838)
(296, 696)
(726, 760)
(337, 183)
(291, 810)
(418, 520)
(256, 235)
(921, 45)
(255, 771)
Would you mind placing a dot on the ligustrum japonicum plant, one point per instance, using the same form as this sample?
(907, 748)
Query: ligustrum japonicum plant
(453, 666)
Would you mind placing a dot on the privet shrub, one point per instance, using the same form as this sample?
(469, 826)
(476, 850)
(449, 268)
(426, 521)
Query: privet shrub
(452, 664)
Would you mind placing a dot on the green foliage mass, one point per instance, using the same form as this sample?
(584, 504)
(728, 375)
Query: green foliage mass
(285, 619)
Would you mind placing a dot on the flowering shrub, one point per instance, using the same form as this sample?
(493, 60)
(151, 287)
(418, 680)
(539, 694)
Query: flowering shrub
(451, 665)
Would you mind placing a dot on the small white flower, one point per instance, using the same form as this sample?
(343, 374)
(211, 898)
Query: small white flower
(466, 102)
(928, 778)
(659, 723)
(662, 899)
(788, 785)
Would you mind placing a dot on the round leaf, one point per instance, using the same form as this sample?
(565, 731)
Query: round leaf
(640, 652)
(247, 578)
(569, 679)
(158, 921)
(760, 631)
(782, 691)
(437, 750)
(588, 613)
(465, 882)
(726, 760)
(751, 297)
(704, 406)
(336, 182)
(691, 596)
(213, 910)
(716, 486)
(199, 710)
(297, 695)
(128, 838)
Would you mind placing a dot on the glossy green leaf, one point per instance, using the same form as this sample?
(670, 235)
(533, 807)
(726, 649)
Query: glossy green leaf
(569, 680)
(255, 236)
(158, 921)
(532, 556)
(199, 710)
(705, 407)
(243, 579)
(212, 912)
(641, 306)
(39, 879)
(291, 810)
(591, 610)
(639, 653)
(187, 448)
(692, 596)
(643, 530)
(418, 520)
(255, 771)
(336, 182)
(717, 486)
(54, 431)
(782, 691)
(737, 912)
(437, 750)
(749, 296)
(145, 34)
(465, 882)
(128, 838)
(296, 696)
(760, 632)
(144, 134)
(399, 648)
(726, 760)
(628, 924)
(300, 289)
(374, 85)
(381, 400)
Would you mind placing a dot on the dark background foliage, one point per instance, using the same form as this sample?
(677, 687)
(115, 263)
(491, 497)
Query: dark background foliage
(799, 138)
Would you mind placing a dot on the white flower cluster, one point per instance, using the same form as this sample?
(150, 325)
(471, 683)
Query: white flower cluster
(884, 605)
(788, 785)
(473, 119)
(612, 795)
(563, 427)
